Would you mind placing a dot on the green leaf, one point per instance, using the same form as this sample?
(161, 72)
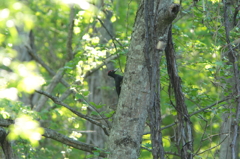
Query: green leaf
(147, 145)
(79, 96)
(94, 113)
(109, 114)
(96, 153)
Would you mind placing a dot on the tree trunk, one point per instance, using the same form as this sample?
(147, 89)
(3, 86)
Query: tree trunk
(140, 89)
(184, 128)
(226, 132)
(6, 145)
(230, 126)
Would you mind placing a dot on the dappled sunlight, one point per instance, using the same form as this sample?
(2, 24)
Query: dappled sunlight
(30, 79)
(64, 50)
(9, 93)
(75, 135)
(4, 13)
(26, 128)
(32, 82)
(82, 3)
(215, 1)
(17, 6)
(6, 61)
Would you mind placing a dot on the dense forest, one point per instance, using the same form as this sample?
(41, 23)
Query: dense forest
(119, 79)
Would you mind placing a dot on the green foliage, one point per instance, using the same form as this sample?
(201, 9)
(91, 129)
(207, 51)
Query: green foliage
(199, 40)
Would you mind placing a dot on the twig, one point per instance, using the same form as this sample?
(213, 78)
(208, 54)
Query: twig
(94, 109)
(150, 150)
(210, 106)
(211, 136)
(211, 147)
(204, 132)
(57, 101)
(113, 39)
(165, 127)
(168, 126)
(100, 65)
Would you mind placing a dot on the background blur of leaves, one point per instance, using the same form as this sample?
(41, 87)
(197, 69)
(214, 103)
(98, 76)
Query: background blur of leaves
(198, 38)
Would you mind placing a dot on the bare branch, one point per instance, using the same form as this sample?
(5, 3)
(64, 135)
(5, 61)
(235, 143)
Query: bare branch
(204, 132)
(211, 147)
(165, 127)
(113, 39)
(211, 136)
(210, 106)
(57, 101)
(49, 133)
(94, 109)
(55, 80)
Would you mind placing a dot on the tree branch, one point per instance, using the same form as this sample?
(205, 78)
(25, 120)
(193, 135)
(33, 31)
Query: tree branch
(43, 64)
(49, 133)
(112, 57)
(211, 147)
(57, 101)
(55, 80)
(113, 39)
(210, 106)
(185, 129)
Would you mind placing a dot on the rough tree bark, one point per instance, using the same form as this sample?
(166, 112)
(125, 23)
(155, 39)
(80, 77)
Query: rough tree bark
(140, 89)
